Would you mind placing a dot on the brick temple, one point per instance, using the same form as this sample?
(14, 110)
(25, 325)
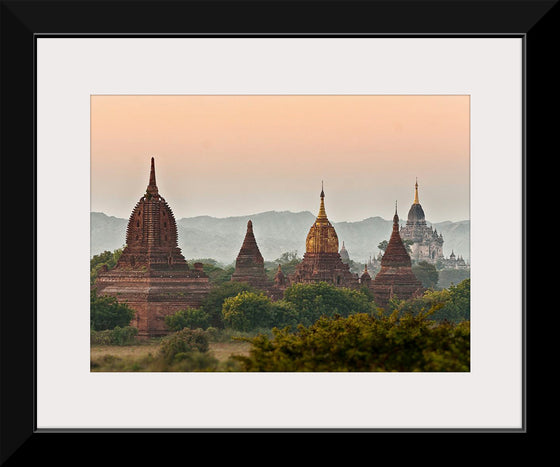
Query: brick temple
(249, 267)
(395, 279)
(322, 261)
(152, 276)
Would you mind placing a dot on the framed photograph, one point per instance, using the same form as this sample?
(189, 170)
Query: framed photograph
(169, 161)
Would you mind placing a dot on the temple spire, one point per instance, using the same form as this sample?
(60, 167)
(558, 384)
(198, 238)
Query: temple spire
(396, 219)
(152, 187)
(416, 192)
(322, 216)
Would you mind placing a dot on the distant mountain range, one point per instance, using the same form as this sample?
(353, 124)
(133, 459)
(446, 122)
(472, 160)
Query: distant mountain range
(275, 232)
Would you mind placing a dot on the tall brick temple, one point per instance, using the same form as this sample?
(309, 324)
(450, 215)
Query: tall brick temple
(321, 261)
(395, 278)
(152, 276)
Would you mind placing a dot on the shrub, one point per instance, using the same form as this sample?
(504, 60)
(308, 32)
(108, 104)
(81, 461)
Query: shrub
(124, 336)
(185, 340)
(116, 336)
(107, 313)
(364, 342)
(193, 318)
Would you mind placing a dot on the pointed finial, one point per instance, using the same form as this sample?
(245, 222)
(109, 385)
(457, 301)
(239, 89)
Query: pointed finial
(322, 216)
(395, 218)
(416, 192)
(152, 187)
(250, 225)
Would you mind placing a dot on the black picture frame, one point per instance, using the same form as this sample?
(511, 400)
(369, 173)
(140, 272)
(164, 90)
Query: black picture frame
(22, 22)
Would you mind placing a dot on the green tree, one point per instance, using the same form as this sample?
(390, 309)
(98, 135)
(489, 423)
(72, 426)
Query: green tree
(212, 304)
(107, 258)
(247, 311)
(426, 273)
(107, 313)
(363, 342)
(451, 304)
(322, 299)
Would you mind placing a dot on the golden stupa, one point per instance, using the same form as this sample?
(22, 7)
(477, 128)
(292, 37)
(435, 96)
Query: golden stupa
(321, 261)
(322, 237)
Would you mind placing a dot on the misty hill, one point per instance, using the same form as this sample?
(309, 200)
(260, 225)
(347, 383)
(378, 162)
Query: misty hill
(275, 232)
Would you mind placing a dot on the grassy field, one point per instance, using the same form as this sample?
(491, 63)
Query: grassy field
(135, 357)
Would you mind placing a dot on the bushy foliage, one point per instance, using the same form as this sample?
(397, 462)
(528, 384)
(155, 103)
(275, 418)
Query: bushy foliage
(116, 336)
(193, 318)
(107, 258)
(302, 304)
(107, 313)
(322, 299)
(364, 342)
(212, 304)
(184, 341)
(247, 311)
(452, 304)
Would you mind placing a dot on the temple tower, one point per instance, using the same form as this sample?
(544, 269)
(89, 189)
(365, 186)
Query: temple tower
(395, 277)
(427, 244)
(249, 265)
(152, 275)
(322, 261)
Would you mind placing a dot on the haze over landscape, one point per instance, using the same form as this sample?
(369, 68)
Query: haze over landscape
(275, 232)
(227, 156)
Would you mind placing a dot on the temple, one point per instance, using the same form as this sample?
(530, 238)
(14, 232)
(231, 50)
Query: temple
(151, 275)
(322, 261)
(427, 244)
(249, 265)
(395, 279)
(249, 268)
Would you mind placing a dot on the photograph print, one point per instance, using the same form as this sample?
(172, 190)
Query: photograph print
(280, 233)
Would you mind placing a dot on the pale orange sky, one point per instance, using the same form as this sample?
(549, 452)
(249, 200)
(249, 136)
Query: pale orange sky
(236, 155)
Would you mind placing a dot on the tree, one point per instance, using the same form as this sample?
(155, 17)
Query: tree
(383, 245)
(426, 273)
(106, 258)
(322, 299)
(212, 304)
(451, 304)
(247, 311)
(107, 313)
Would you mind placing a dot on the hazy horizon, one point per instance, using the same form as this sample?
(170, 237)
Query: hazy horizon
(402, 216)
(232, 156)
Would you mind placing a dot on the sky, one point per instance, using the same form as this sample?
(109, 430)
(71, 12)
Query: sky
(224, 156)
